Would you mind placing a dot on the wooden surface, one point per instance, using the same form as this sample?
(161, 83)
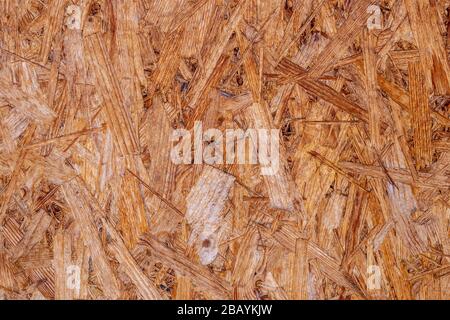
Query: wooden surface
(93, 207)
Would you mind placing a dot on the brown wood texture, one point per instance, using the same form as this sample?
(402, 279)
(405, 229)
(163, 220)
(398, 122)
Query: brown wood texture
(92, 205)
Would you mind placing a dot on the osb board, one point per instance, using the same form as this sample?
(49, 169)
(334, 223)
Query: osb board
(93, 207)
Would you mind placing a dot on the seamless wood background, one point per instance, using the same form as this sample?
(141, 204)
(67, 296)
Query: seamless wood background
(92, 207)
